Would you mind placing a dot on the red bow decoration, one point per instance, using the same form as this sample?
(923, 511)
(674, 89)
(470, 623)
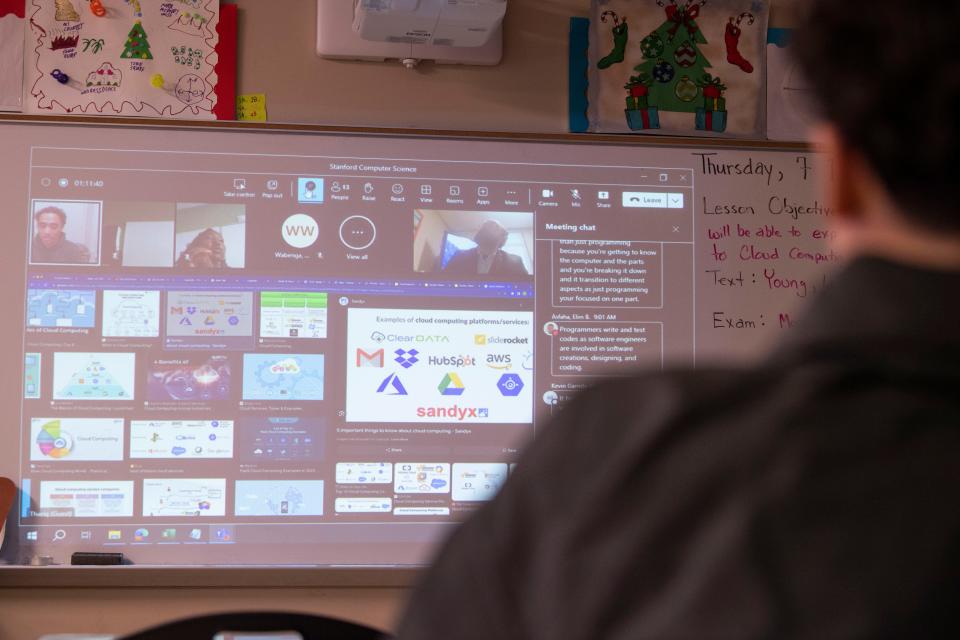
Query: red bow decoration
(685, 16)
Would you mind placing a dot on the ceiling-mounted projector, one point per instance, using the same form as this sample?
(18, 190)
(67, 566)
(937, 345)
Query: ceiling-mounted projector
(447, 31)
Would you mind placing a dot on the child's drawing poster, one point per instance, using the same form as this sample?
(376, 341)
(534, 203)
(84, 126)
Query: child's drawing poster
(11, 54)
(150, 58)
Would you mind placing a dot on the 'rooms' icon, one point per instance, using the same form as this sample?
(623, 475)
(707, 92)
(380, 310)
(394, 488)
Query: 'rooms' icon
(300, 231)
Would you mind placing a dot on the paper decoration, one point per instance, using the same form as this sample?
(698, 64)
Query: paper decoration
(252, 107)
(11, 54)
(790, 111)
(689, 67)
(81, 62)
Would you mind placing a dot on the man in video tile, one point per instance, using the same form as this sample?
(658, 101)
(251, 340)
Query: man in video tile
(488, 257)
(50, 244)
(206, 251)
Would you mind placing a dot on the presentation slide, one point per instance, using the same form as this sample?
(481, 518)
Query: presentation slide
(131, 314)
(86, 498)
(330, 349)
(282, 376)
(364, 473)
(209, 320)
(184, 497)
(452, 366)
(193, 439)
(281, 438)
(76, 439)
(477, 482)
(61, 308)
(293, 315)
(94, 376)
(189, 378)
(279, 498)
(31, 376)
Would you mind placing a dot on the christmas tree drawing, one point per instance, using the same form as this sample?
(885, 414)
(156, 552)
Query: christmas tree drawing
(672, 57)
(136, 45)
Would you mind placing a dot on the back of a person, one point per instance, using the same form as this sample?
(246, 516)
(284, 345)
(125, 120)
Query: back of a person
(809, 496)
(816, 505)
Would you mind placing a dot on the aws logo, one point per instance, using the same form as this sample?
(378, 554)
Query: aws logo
(300, 231)
(499, 361)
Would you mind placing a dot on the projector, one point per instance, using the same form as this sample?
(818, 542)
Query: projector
(451, 23)
(447, 31)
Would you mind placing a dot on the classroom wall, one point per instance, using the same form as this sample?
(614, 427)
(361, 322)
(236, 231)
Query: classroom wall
(527, 92)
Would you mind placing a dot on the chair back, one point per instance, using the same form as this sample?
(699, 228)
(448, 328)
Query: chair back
(310, 627)
(8, 492)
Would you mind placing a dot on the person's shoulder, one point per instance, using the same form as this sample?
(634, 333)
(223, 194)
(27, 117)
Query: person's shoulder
(636, 416)
(78, 252)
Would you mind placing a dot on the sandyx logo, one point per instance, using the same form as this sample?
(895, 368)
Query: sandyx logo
(455, 412)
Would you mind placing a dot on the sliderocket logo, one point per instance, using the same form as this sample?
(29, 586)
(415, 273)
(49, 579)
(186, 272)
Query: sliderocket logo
(455, 412)
(482, 339)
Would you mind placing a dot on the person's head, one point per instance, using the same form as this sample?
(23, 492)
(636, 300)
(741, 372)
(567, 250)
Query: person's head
(49, 223)
(888, 91)
(490, 237)
(207, 251)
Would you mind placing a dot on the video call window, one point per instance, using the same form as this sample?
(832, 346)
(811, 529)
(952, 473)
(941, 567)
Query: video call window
(210, 236)
(496, 245)
(168, 234)
(65, 232)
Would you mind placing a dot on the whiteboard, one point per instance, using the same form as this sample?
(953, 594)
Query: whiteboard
(347, 386)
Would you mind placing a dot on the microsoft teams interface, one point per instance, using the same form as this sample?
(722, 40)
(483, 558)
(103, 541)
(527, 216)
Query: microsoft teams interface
(230, 349)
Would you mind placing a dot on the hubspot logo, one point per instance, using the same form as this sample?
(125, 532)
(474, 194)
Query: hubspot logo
(300, 231)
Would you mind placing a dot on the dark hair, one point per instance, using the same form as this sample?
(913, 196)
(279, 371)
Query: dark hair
(57, 210)
(886, 74)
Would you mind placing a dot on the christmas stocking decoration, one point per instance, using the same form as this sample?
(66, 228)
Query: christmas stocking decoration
(732, 40)
(620, 36)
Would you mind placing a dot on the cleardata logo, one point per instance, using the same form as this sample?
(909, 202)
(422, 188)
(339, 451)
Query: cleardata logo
(300, 231)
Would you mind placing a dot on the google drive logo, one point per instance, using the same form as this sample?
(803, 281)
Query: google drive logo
(451, 385)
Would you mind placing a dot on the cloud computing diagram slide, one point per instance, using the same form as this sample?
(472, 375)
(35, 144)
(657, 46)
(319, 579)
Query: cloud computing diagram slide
(408, 365)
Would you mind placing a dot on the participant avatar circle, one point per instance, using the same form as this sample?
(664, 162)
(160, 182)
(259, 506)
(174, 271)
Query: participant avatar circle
(551, 398)
(552, 329)
(300, 231)
(357, 232)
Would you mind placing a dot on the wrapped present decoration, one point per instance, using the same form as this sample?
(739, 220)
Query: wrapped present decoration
(715, 121)
(713, 115)
(640, 115)
(643, 118)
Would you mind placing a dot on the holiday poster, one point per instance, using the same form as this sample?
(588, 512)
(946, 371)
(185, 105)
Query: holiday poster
(122, 57)
(682, 67)
(11, 54)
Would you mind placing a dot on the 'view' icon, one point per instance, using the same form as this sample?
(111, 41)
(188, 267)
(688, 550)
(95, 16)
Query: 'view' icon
(451, 385)
(392, 381)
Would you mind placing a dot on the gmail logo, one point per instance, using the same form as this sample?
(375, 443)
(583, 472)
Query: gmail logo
(374, 359)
